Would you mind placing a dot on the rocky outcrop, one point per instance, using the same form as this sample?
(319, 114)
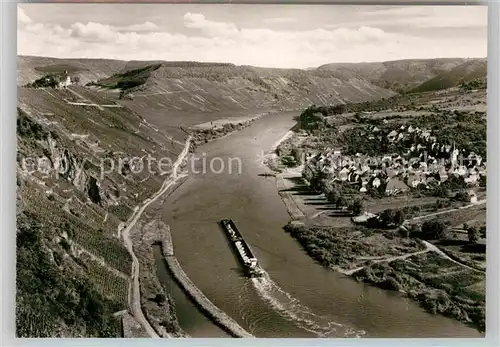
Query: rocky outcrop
(42, 151)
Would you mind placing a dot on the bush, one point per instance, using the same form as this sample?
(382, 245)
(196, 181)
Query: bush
(357, 207)
(441, 191)
(462, 196)
(47, 298)
(482, 231)
(433, 230)
(399, 217)
(473, 234)
(482, 181)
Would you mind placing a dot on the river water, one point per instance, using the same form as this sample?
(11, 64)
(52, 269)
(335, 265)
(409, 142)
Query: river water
(297, 297)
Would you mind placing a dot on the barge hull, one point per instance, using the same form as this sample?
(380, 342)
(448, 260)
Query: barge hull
(244, 252)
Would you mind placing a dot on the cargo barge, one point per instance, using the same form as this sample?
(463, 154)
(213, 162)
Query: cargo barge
(245, 254)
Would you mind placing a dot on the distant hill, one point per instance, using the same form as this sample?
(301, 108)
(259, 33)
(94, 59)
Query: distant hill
(467, 72)
(205, 87)
(398, 75)
(31, 68)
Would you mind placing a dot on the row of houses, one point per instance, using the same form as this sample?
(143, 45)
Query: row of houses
(393, 173)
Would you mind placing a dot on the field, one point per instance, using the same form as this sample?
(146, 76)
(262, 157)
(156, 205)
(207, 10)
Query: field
(347, 249)
(439, 285)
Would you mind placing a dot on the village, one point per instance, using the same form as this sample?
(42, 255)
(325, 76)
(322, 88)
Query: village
(384, 196)
(426, 164)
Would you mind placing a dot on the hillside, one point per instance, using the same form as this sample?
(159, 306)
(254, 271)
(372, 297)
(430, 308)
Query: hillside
(248, 86)
(464, 73)
(77, 185)
(212, 88)
(398, 75)
(31, 68)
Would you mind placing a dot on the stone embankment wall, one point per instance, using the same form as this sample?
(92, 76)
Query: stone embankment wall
(216, 314)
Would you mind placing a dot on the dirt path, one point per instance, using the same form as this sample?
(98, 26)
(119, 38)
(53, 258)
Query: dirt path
(436, 249)
(93, 105)
(387, 260)
(480, 202)
(429, 248)
(135, 293)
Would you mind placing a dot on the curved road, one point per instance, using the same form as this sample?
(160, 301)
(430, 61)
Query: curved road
(135, 292)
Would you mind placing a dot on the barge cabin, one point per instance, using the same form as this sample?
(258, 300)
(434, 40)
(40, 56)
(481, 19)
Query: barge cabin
(244, 252)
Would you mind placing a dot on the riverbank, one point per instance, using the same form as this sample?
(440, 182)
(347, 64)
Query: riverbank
(217, 129)
(156, 303)
(383, 258)
(315, 302)
(217, 315)
(124, 231)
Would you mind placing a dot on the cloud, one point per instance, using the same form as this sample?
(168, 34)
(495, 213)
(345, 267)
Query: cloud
(93, 32)
(22, 17)
(220, 41)
(211, 28)
(280, 20)
(430, 17)
(146, 26)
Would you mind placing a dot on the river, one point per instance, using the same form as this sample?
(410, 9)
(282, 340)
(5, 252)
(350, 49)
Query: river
(297, 297)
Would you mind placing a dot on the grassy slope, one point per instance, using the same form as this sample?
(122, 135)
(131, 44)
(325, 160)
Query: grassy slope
(464, 73)
(399, 75)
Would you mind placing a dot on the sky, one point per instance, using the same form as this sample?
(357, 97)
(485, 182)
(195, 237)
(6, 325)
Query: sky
(286, 36)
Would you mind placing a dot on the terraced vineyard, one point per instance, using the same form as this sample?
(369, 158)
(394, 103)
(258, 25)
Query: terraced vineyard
(94, 240)
(110, 285)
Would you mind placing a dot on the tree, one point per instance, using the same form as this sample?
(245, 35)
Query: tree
(482, 231)
(482, 181)
(297, 154)
(462, 196)
(159, 298)
(357, 207)
(441, 191)
(341, 201)
(399, 217)
(387, 217)
(318, 181)
(455, 182)
(47, 81)
(414, 230)
(327, 186)
(311, 119)
(338, 109)
(307, 173)
(433, 230)
(404, 232)
(473, 234)
(332, 196)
